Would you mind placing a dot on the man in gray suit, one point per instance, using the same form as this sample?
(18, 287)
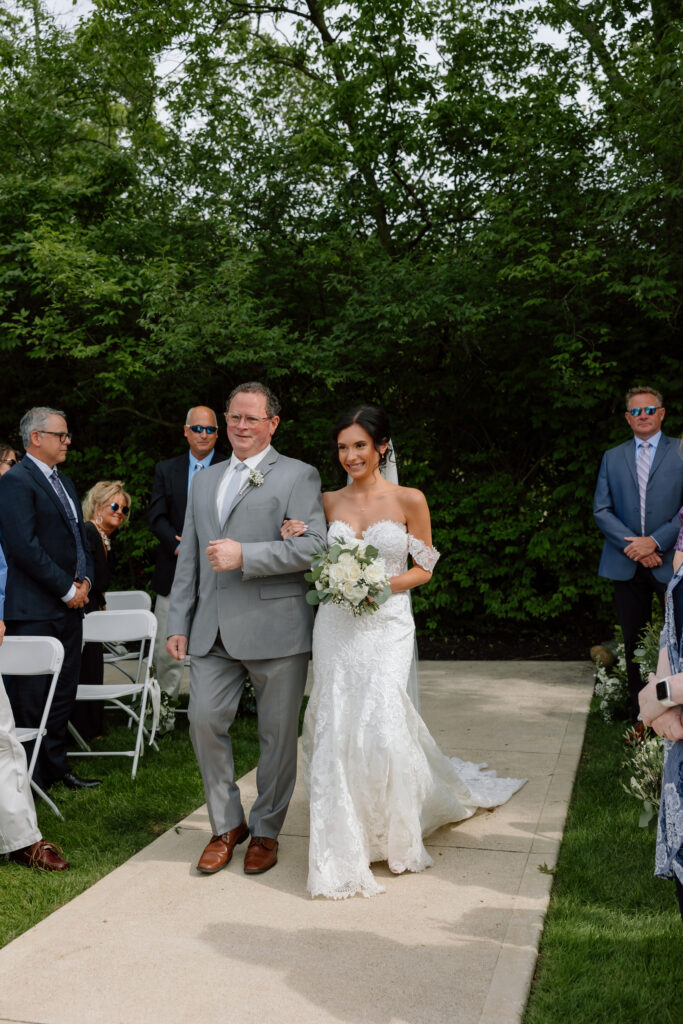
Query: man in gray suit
(637, 498)
(239, 596)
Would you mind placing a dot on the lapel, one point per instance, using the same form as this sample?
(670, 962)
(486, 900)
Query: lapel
(659, 457)
(263, 467)
(214, 475)
(629, 450)
(179, 482)
(45, 484)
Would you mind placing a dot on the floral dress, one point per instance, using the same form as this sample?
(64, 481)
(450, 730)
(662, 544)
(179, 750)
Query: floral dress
(669, 853)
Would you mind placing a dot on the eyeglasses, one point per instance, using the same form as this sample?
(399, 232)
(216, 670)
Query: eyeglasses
(64, 436)
(649, 410)
(197, 428)
(250, 421)
(115, 507)
(8, 462)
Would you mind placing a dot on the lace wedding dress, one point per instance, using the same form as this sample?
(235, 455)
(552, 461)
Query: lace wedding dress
(376, 780)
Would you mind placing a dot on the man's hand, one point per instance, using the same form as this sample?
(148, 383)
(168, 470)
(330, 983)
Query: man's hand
(224, 555)
(80, 598)
(2, 630)
(177, 647)
(178, 548)
(640, 547)
(651, 561)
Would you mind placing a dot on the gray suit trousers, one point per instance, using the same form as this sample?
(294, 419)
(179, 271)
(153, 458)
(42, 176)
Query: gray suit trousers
(216, 683)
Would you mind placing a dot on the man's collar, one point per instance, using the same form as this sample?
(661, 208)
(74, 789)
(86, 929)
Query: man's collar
(654, 440)
(253, 461)
(206, 461)
(42, 466)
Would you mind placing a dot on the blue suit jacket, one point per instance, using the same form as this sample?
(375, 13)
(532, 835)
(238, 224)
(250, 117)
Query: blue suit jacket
(38, 543)
(616, 506)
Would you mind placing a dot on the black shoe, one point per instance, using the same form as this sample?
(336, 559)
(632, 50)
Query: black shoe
(73, 781)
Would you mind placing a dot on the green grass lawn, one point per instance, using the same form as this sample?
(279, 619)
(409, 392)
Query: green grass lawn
(612, 941)
(106, 826)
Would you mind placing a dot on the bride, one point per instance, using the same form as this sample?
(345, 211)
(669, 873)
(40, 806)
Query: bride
(376, 780)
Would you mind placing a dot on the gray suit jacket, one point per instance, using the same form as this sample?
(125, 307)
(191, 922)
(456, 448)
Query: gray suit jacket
(260, 609)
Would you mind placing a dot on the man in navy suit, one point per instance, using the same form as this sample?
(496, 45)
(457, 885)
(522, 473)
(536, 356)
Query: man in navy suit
(637, 500)
(172, 480)
(49, 569)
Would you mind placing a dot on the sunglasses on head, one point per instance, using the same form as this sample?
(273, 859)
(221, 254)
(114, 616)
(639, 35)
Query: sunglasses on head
(8, 462)
(123, 509)
(649, 410)
(197, 428)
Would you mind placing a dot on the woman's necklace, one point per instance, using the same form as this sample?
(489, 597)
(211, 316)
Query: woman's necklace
(105, 538)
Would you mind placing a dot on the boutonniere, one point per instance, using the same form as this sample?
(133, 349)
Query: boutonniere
(255, 479)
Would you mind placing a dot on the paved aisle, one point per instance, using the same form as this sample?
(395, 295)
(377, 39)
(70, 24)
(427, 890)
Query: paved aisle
(155, 941)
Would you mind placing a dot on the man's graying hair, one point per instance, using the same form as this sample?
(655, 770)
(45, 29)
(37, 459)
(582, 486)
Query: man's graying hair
(36, 419)
(253, 387)
(644, 390)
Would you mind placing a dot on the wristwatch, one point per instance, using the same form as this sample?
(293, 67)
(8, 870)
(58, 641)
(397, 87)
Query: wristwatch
(664, 694)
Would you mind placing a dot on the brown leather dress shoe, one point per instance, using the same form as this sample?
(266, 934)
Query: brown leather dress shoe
(261, 855)
(218, 852)
(43, 855)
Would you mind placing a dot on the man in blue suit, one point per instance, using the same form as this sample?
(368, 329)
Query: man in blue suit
(637, 500)
(49, 568)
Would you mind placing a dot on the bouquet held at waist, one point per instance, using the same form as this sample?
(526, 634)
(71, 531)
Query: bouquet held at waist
(350, 574)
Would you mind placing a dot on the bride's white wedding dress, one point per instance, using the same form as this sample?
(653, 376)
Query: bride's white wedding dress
(376, 779)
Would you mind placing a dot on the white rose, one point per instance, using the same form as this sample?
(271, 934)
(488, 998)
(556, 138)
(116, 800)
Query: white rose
(376, 572)
(350, 572)
(336, 574)
(354, 592)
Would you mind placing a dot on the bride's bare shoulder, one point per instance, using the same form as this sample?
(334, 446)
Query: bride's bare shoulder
(331, 500)
(411, 498)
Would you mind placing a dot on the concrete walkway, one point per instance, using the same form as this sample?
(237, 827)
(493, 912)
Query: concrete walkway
(156, 941)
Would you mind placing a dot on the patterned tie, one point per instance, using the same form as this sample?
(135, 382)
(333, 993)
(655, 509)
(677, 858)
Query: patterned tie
(73, 523)
(643, 472)
(232, 491)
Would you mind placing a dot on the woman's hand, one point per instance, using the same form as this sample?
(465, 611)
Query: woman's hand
(650, 708)
(670, 724)
(292, 528)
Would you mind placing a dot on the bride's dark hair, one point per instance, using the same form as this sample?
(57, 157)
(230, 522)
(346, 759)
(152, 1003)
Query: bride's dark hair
(372, 419)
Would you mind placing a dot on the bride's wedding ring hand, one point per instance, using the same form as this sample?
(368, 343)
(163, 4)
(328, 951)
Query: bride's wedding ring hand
(224, 555)
(292, 528)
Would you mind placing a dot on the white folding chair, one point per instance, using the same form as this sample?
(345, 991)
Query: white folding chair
(123, 601)
(32, 656)
(120, 627)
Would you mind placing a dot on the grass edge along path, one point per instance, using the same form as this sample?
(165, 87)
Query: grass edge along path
(611, 944)
(106, 826)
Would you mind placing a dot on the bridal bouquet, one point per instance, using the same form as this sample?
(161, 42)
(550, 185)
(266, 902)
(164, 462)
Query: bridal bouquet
(349, 573)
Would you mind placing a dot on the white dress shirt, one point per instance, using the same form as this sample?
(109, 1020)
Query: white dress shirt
(251, 463)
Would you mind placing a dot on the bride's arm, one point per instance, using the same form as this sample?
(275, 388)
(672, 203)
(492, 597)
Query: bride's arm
(419, 526)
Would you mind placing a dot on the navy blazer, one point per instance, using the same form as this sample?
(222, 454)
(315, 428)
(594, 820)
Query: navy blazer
(38, 542)
(167, 506)
(616, 506)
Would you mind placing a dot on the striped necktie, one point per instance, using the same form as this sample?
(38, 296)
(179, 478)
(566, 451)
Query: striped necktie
(73, 523)
(643, 472)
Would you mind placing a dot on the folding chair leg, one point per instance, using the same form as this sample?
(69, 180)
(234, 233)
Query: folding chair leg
(43, 796)
(77, 736)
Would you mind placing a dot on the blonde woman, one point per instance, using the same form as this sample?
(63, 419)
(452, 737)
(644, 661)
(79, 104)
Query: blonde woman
(106, 507)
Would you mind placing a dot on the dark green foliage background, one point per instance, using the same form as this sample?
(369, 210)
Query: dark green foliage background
(437, 206)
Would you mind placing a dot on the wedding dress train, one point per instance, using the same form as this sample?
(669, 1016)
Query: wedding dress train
(376, 779)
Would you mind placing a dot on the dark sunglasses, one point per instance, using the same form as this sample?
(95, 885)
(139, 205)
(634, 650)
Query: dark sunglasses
(8, 462)
(649, 410)
(123, 509)
(197, 428)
